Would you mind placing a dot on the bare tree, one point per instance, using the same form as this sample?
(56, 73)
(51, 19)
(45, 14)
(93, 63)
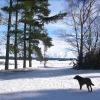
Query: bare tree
(82, 13)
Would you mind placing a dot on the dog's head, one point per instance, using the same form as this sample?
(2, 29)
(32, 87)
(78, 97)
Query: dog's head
(76, 77)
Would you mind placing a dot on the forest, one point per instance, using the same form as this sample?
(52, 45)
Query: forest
(25, 21)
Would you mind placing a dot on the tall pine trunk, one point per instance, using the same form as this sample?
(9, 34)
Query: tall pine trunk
(30, 51)
(16, 31)
(8, 39)
(24, 57)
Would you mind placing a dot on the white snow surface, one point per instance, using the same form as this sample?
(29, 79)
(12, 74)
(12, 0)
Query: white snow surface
(52, 83)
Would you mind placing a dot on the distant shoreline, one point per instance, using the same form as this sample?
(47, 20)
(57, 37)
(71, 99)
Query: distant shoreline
(44, 59)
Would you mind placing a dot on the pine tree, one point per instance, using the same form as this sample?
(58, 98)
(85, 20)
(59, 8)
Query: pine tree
(9, 11)
(35, 9)
(38, 15)
(33, 15)
(16, 32)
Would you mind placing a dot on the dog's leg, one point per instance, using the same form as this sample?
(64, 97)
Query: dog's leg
(80, 86)
(88, 88)
(91, 88)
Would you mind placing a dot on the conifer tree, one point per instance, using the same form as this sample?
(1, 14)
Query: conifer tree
(33, 15)
(38, 15)
(8, 9)
(16, 33)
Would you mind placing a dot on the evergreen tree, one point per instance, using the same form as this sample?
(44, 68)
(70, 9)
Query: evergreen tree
(9, 11)
(16, 33)
(31, 16)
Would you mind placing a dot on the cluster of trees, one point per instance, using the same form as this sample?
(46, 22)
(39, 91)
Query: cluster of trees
(25, 28)
(84, 37)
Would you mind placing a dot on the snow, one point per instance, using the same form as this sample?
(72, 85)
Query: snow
(52, 83)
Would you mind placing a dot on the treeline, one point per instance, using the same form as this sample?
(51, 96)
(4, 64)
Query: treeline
(44, 59)
(25, 21)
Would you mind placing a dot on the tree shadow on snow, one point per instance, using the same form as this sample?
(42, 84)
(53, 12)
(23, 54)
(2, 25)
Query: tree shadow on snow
(44, 73)
(58, 94)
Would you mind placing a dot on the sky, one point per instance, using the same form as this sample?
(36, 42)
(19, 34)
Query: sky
(56, 6)
(59, 48)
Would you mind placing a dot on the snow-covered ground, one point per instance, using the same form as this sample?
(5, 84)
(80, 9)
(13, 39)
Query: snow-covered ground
(52, 83)
(37, 64)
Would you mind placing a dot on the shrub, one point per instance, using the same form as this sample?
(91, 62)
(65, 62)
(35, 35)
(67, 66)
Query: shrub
(91, 60)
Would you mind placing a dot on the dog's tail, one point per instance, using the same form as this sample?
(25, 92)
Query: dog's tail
(92, 84)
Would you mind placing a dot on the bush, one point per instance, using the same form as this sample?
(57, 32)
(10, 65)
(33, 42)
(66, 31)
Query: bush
(91, 60)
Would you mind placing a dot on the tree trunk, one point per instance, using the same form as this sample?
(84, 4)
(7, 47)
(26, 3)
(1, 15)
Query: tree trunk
(8, 39)
(24, 57)
(30, 58)
(45, 59)
(81, 48)
(15, 47)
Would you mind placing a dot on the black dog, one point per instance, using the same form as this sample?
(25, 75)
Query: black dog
(83, 81)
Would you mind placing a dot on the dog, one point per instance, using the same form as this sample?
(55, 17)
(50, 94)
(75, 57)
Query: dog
(83, 81)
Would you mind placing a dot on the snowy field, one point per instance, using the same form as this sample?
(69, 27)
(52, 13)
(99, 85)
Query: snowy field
(52, 83)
